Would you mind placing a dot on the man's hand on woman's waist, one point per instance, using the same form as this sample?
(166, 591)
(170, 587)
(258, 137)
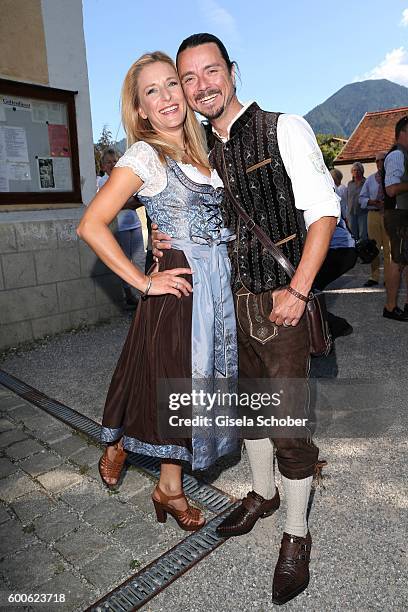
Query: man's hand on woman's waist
(160, 241)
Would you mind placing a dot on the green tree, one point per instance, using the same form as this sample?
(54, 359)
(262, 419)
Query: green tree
(105, 142)
(330, 146)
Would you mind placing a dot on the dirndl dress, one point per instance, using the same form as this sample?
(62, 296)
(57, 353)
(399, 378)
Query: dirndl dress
(191, 338)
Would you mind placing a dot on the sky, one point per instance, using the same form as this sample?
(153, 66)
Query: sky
(292, 54)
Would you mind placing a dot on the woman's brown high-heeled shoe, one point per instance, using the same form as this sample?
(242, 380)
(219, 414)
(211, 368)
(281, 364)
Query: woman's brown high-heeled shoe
(112, 469)
(189, 520)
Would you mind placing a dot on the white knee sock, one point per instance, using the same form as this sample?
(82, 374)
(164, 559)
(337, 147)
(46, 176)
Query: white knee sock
(297, 494)
(260, 455)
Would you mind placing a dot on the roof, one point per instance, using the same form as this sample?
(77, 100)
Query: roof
(374, 133)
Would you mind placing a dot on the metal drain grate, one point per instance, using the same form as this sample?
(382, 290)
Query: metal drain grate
(151, 580)
(207, 496)
(69, 416)
(135, 592)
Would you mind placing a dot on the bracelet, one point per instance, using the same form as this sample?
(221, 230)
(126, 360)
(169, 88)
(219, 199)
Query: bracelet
(149, 284)
(300, 296)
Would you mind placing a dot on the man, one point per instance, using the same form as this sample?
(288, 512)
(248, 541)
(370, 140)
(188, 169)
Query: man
(396, 217)
(130, 236)
(372, 199)
(265, 158)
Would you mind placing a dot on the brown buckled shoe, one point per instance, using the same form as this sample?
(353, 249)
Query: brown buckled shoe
(292, 569)
(242, 519)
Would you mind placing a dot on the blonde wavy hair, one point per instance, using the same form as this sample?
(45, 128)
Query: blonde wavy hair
(137, 128)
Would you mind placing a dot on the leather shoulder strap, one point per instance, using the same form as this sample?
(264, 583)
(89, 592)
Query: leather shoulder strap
(258, 231)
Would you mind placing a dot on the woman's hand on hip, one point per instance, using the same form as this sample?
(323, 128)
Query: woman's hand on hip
(171, 281)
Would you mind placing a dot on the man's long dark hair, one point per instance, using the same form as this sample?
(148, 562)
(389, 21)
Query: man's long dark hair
(195, 40)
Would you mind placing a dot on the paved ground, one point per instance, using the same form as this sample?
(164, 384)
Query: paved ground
(62, 531)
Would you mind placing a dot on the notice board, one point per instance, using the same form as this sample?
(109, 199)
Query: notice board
(39, 160)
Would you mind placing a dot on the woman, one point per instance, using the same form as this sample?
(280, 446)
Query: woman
(357, 215)
(173, 336)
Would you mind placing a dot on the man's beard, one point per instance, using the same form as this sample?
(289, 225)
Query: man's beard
(214, 114)
(211, 113)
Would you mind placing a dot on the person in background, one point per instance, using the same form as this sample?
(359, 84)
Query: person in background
(356, 216)
(340, 258)
(149, 253)
(372, 199)
(341, 191)
(339, 187)
(396, 218)
(130, 236)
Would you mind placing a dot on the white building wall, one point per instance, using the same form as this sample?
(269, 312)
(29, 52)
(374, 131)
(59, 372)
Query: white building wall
(67, 68)
(50, 281)
(369, 168)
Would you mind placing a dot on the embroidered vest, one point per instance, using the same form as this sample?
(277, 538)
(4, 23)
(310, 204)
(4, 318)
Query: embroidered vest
(400, 201)
(251, 164)
(402, 198)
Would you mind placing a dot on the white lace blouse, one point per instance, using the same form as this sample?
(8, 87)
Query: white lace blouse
(145, 163)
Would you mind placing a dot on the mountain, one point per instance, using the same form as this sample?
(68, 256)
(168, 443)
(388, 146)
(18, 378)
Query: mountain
(342, 112)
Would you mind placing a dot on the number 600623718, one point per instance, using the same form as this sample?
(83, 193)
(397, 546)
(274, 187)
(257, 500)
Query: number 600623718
(36, 597)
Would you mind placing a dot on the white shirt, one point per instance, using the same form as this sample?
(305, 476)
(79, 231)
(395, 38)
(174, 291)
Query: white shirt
(394, 167)
(146, 164)
(312, 183)
(341, 191)
(101, 180)
(369, 191)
